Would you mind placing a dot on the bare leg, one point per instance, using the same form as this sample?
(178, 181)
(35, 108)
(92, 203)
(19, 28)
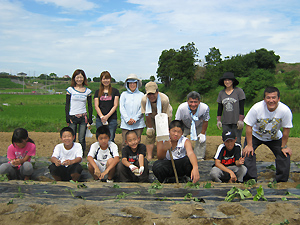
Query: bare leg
(92, 171)
(149, 151)
(75, 176)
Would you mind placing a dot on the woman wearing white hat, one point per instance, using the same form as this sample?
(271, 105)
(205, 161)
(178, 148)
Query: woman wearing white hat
(130, 107)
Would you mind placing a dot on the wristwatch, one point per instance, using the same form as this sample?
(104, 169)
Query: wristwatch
(284, 147)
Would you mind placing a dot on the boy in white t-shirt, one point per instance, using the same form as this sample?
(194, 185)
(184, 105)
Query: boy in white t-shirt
(103, 156)
(66, 158)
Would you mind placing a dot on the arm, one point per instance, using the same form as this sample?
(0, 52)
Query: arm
(113, 109)
(111, 165)
(94, 165)
(149, 122)
(17, 162)
(225, 169)
(67, 108)
(90, 109)
(195, 176)
(219, 114)
(56, 161)
(204, 127)
(285, 137)
(162, 148)
(249, 147)
(141, 160)
(69, 162)
(97, 108)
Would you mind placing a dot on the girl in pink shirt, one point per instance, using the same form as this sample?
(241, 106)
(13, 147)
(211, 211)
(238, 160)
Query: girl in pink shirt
(19, 155)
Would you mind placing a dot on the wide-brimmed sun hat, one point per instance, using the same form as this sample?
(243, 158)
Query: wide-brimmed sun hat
(134, 77)
(230, 76)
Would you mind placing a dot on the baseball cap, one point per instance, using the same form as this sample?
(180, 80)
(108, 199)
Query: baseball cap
(227, 134)
(151, 87)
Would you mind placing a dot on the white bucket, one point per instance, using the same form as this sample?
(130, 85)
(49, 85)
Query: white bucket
(162, 127)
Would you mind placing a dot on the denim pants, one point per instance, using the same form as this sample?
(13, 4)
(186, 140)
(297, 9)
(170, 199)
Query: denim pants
(112, 126)
(81, 129)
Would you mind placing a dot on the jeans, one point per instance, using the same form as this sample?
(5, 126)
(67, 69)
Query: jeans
(112, 126)
(81, 129)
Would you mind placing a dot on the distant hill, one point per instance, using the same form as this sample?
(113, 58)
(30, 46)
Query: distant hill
(287, 67)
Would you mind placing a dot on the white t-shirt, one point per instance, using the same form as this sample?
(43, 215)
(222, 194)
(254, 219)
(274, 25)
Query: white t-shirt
(78, 100)
(180, 151)
(103, 155)
(183, 114)
(265, 124)
(63, 154)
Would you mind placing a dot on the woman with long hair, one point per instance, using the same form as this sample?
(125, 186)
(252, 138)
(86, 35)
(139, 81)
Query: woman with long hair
(77, 97)
(106, 104)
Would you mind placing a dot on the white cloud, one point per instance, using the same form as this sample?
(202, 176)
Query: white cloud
(131, 40)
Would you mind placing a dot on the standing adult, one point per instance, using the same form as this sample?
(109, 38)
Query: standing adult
(154, 102)
(130, 107)
(106, 103)
(77, 97)
(195, 115)
(231, 102)
(263, 123)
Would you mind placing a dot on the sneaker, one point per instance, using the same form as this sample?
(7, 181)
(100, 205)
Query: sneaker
(109, 181)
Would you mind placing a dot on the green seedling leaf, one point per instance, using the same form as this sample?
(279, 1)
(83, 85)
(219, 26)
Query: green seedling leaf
(207, 185)
(10, 202)
(73, 182)
(156, 185)
(152, 191)
(290, 194)
(260, 194)
(284, 199)
(271, 167)
(3, 177)
(19, 194)
(81, 186)
(272, 184)
(188, 196)
(124, 195)
(250, 183)
(54, 182)
(297, 164)
(190, 184)
(236, 192)
(116, 186)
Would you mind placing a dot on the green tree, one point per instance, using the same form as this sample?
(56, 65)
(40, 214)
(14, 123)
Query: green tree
(258, 80)
(292, 79)
(176, 64)
(266, 59)
(213, 58)
(152, 78)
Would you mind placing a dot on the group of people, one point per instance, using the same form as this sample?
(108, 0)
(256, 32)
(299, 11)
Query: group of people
(174, 156)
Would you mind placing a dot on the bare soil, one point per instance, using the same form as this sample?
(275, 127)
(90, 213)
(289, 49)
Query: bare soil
(94, 212)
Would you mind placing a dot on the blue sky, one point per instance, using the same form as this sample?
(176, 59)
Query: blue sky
(123, 37)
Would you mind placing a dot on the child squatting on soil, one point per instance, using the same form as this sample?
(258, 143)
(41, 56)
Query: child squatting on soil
(134, 165)
(103, 156)
(184, 157)
(19, 155)
(66, 157)
(228, 161)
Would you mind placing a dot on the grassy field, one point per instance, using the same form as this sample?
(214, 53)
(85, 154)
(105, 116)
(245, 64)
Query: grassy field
(45, 113)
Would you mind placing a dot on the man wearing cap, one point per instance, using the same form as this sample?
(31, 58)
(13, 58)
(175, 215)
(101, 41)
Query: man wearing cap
(195, 115)
(153, 102)
(228, 161)
(263, 123)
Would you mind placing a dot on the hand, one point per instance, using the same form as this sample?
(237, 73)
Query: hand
(195, 176)
(202, 138)
(58, 163)
(219, 125)
(232, 177)
(240, 125)
(71, 121)
(141, 170)
(286, 151)
(103, 174)
(88, 125)
(97, 172)
(134, 170)
(67, 162)
(242, 160)
(104, 119)
(131, 121)
(150, 131)
(248, 150)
